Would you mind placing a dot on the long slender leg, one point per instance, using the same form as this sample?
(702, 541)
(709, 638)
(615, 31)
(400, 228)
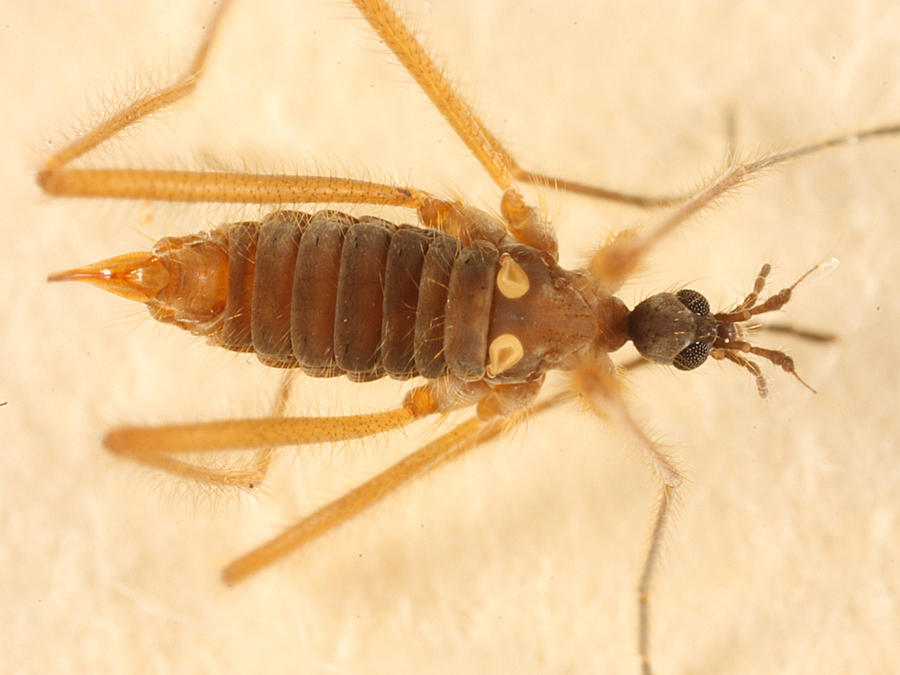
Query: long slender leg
(198, 186)
(369, 493)
(146, 105)
(617, 261)
(191, 186)
(249, 477)
(666, 500)
(494, 157)
(58, 178)
(137, 442)
(154, 446)
(599, 387)
(449, 446)
(55, 178)
(194, 186)
(240, 188)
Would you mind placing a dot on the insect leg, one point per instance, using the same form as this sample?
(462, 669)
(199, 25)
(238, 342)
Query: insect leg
(599, 387)
(489, 151)
(453, 444)
(344, 508)
(249, 477)
(236, 188)
(139, 442)
(152, 445)
(617, 261)
(144, 106)
(194, 186)
(155, 445)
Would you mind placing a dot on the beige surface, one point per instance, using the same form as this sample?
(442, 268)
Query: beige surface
(524, 557)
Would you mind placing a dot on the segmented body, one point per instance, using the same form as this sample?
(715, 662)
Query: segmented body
(337, 295)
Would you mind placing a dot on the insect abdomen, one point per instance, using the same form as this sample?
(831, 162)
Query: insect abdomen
(337, 295)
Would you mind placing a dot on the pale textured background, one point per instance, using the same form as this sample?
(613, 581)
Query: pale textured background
(523, 557)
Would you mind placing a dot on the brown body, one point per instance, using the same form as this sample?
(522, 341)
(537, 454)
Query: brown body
(338, 295)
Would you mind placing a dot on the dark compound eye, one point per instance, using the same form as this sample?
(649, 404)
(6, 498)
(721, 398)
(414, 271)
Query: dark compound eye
(693, 301)
(693, 355)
